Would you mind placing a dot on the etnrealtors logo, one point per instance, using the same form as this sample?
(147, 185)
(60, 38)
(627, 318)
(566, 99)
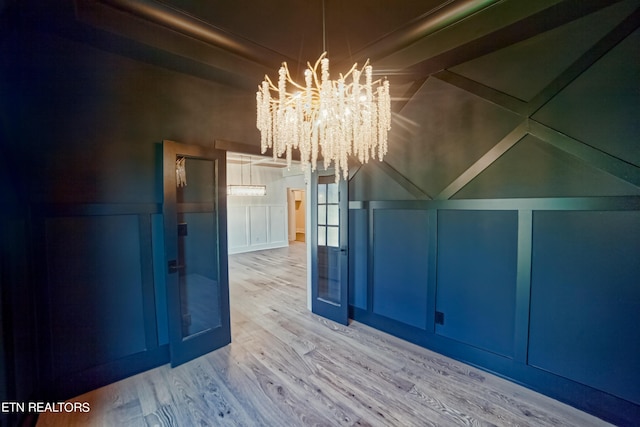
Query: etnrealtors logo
(37, 407)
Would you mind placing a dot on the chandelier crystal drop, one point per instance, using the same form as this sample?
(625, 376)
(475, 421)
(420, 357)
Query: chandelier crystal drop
(332, 119)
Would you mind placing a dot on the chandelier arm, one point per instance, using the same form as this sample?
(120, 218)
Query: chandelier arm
(315, 97)
(355, 66)
(271, 85)
(290, 80)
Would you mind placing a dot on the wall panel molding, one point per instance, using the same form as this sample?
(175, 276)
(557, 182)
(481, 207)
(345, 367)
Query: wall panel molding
(607, 43)
(617, 203)
(485, 161)
(523, 286)
(613, 402)
(580, 149)
(257, 227)
(594, 157)
(485, 92)
(405, 183)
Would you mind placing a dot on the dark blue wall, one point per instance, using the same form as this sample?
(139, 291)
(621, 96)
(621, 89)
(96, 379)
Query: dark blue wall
(476, 276)
(585, 296)
(81, 226)
(516, 154)
(523, 167)
(400, 253)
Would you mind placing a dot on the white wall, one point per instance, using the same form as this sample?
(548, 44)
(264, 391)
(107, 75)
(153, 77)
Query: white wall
(256, 223)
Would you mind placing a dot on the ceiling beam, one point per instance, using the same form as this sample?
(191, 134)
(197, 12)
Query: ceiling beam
(545, 20)
(181, 22)
(422, 26)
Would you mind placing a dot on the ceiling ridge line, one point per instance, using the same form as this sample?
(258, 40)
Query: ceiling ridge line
(428, 23)
(184, 23)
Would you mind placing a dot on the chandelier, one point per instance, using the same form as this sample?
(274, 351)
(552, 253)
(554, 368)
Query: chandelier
(243, 189)
(332, 119)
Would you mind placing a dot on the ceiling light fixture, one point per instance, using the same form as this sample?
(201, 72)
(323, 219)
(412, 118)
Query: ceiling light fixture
(329, 118)
(246, 190)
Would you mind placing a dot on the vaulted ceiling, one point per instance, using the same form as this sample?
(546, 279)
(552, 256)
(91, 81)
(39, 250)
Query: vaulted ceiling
(237, 42)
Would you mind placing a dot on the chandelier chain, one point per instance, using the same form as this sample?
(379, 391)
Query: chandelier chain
(324, 29)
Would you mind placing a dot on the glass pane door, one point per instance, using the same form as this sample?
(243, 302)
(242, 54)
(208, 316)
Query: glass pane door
(329, 259)
(194, 211)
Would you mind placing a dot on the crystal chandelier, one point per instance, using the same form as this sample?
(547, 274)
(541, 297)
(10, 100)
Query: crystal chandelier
(329, 118)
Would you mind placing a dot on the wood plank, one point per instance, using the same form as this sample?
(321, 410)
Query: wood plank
(287, 366)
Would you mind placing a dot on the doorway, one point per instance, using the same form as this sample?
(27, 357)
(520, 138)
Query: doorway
(296, 202)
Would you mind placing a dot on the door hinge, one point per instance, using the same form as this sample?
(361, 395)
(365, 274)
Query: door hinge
(439, 318)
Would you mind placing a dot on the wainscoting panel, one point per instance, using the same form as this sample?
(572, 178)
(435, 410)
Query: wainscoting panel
(238, 224)
(400, 253)
(358, 253)
(542, 291)
(256, 227)
(277, 225)
(476, 278)
(585, 298)
(160, 283)
(96, 297)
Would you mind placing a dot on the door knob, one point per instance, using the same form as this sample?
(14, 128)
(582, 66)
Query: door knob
(174, 266)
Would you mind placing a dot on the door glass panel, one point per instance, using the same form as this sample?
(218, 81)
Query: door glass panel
(322, 193)
(332, 237)
(322, 235)
(332, 215)
(200, 182)
(322, 214)
(332, 193)
(199, 279)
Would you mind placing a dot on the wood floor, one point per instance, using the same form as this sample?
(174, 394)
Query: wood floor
(288, 367)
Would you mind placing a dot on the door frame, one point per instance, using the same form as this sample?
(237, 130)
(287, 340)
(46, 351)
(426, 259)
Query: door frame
(201, 343)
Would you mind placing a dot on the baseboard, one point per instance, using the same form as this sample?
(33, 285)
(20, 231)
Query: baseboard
(98, 376)
(252, 248)
(596, 402)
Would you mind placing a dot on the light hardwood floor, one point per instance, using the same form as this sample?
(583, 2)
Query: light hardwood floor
(288, 367)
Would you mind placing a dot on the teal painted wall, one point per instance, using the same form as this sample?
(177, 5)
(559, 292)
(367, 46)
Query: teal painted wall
(552, 118)
(527, 161)
(83, 127)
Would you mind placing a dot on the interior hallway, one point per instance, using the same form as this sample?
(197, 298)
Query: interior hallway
(289, 367)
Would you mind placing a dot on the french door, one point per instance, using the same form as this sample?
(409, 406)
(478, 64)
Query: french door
(195, 238)
(329, 245)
